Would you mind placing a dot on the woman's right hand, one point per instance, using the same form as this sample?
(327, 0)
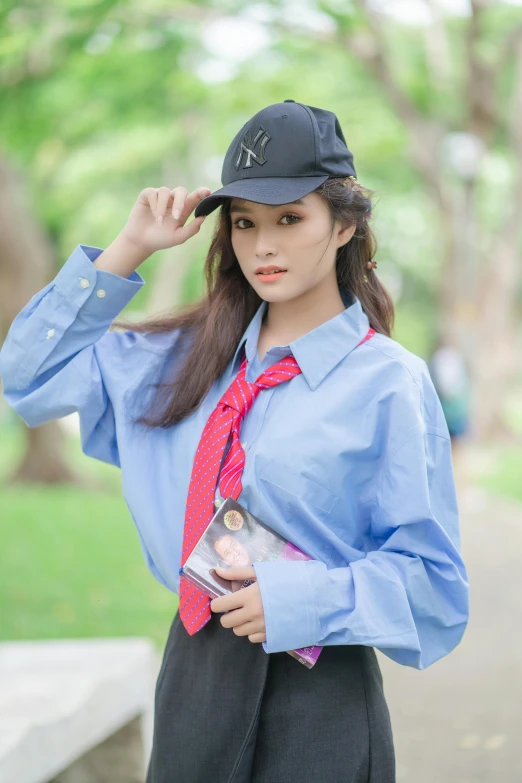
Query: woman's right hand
(151, 224)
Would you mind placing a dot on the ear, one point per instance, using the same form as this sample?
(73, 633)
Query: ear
(345, 234)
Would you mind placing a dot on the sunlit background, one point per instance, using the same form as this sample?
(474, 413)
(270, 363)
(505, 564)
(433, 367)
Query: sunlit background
(101, 99)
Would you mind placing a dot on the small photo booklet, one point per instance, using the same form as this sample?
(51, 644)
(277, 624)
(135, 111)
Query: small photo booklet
(235, 537)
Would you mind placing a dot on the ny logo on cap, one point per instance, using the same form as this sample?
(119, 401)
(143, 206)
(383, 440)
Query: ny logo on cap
(247, 145)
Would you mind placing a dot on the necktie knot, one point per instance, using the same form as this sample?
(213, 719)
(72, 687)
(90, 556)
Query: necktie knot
(241, 394)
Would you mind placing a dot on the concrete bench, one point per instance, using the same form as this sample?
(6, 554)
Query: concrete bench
(76, 710)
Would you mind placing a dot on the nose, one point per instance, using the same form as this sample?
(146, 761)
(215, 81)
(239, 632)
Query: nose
(265, 244)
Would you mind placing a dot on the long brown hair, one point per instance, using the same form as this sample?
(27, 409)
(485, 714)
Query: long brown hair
(216, 323)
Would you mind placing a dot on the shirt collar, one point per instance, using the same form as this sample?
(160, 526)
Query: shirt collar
(318, 351)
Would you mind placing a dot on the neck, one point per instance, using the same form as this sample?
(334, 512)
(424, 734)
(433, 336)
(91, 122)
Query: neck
(287, 321)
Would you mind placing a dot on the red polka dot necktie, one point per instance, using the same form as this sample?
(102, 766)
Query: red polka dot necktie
(225, 419)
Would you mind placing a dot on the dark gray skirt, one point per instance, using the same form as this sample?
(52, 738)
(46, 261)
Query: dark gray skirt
(227, 712)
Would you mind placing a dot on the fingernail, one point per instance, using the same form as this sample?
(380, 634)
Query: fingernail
(176, 214)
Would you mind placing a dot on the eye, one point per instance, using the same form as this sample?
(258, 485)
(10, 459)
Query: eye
(294, 218)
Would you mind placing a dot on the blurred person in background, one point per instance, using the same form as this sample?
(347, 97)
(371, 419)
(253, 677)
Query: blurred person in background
(451, 378)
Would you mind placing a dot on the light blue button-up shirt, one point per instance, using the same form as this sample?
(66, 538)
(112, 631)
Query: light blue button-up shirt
(350, 460)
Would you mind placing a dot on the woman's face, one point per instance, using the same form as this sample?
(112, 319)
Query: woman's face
(231, 550)
(294, 236)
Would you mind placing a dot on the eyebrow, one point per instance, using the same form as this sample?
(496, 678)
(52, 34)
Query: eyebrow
(274, 206)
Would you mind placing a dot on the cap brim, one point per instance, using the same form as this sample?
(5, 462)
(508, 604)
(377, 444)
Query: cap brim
(262, 190)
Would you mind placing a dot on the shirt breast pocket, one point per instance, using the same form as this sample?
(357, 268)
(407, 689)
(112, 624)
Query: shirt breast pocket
(291, 491)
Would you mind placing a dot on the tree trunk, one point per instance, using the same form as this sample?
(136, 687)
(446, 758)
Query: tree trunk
(478, 315)
(26, 265)
(495, 361)
(42, 461)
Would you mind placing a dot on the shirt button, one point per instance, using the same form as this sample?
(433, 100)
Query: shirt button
(100, 293)
(243, 444)
(218, 502)
(84, 282)
(50, 333)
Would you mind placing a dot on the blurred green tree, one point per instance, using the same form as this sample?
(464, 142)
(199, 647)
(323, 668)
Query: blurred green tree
(100, 99)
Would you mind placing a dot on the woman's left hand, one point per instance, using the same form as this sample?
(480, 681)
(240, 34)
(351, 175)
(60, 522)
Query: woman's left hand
(244, 607)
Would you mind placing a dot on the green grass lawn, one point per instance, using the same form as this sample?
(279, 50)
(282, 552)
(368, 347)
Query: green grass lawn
(503, 474)
(502, 471)
(70, 561)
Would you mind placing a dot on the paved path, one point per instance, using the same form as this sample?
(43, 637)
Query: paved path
(460, 720)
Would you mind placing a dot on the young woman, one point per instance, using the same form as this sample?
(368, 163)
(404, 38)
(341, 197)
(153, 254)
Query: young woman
(287, 392)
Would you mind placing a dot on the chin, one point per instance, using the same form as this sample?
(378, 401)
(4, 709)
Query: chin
(274, 296)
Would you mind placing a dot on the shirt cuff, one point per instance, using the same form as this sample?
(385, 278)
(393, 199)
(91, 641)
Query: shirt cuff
(291, 619)
(98, 292)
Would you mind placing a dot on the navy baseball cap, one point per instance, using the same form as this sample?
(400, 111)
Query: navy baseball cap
(282, 153)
